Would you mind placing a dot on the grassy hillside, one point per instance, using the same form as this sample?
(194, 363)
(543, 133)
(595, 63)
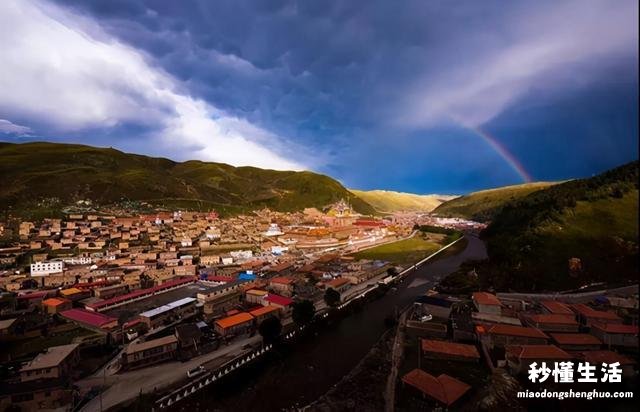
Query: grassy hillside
(484, 205)
(531, 240)
(389, 201)
(50, 175)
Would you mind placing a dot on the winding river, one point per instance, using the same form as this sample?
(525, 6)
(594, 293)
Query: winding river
(318, 363)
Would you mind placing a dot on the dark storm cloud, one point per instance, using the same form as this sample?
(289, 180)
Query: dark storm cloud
(349, 80)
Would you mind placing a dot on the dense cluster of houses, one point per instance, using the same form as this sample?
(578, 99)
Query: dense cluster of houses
(501, 332)
(129, 280)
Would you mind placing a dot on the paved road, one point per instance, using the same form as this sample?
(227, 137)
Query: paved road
(128, 385)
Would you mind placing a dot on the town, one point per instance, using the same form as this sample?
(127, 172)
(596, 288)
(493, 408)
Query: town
(92, 301)
(167, 286)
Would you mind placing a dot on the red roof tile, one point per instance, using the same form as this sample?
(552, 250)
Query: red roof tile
(511, 330)
(616, 328)
(537, 352)
(557, 307)
(278, 300)
(575, 339)
(450, 348)
(484, 298)
(606, 356)
(87, 317)
(589, 312)
(444, 388)
(554, 318)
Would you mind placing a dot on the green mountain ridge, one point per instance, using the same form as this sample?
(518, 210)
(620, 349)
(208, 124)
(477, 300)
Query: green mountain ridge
(54, 173)
(483, 205)
(531, 240)
(387, 201)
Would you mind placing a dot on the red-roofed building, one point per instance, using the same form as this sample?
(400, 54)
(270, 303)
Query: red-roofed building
(519, 357)
(599, 357)
(613, 334)
(576, 341)
(444, 389)
(503, 335)
(437, 349)
(91, 320)
(553, 322)
(487, 303)
(339, 284)
(555, 307)
(282, 285)
(277, 301)
(588, 315)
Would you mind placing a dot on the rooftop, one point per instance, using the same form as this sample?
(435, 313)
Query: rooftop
(444, 388)
(278, 300)
(450, 348)
(616, 328)
(554, 318)
(52, 357)
(263, 310)
(234, 320)
(511, 330)
(54, 302)
(589, 312)
(168, 307)
(575, 339)
(556, 307)
(606, 356)
(87, 317)
(142, 346)
(484, 298)
(537, 352)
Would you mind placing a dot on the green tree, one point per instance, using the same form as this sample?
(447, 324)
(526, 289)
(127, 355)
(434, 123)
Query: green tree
(303, 312)
(270, 329)
(332, 297)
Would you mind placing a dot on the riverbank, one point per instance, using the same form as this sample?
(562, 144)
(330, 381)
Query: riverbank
(363, 388)
(318, 362)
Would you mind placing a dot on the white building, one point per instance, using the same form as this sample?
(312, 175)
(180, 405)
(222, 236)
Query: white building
(78, 260)
(46, 268)
(273, 230)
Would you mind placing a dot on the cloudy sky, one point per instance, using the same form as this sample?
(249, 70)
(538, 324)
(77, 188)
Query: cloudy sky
(422, 96)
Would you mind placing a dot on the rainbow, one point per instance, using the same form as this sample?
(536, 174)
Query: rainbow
(502, 151)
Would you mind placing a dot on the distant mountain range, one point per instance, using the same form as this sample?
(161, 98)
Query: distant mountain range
(386, 201)
(41, 177)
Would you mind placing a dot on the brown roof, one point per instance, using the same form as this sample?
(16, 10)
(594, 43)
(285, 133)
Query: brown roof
(444, 388)
(537, 352)
(50, 358)
(450, 348)
(554, 318)
(616, 328)
(139, 347)
(337, 282)
(283, 280)
(589, 312)
(557, 307)
(484, 298)
(606, 356)
(511, 330)
(575, 339)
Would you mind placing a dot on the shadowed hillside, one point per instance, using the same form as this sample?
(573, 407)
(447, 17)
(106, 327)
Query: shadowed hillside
(60, 174)
(595, 220)
(484, 205)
